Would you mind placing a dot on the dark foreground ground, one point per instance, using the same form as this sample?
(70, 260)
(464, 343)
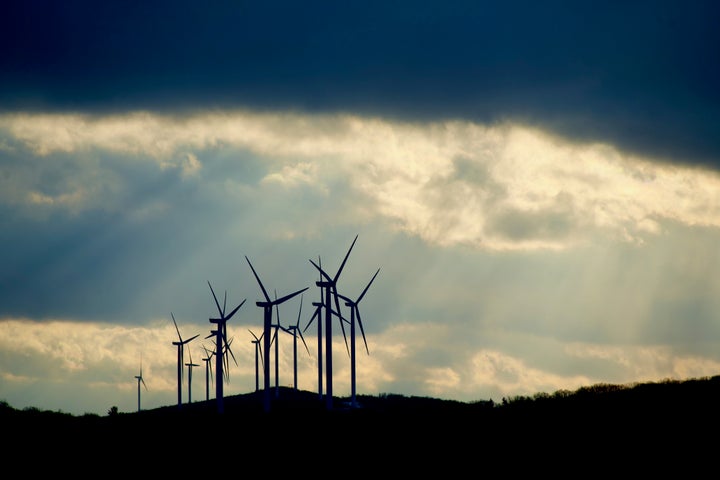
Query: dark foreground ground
(670, 427)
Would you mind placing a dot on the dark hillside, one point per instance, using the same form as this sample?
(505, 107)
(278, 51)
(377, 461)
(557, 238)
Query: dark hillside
(658, 422)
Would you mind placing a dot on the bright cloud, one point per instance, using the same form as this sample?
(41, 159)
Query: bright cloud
(498, 187)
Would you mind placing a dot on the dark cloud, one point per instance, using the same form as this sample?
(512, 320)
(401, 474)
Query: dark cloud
(642, 75)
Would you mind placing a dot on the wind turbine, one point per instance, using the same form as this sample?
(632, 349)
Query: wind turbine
(190, 367)
(180, 344)
(318, 313)
(330, 286)
(294, 330)
(208, 371)
(267, 307)
(221, 346)
(355, 314)
(258, 356)
(140, 380)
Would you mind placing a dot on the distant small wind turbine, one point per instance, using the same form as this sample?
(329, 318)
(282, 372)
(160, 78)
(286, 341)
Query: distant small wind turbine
(140, 380)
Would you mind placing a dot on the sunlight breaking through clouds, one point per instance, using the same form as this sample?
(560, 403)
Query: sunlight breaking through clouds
(499, 187)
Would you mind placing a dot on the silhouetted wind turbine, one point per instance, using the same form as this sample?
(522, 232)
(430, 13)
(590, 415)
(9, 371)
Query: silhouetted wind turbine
(267, 307)
(330, 285)
(258, 356)
(208, 371)
(140, 380)
(355, 314)
(180, 344)
(294, 330)
(190, 366)
(318, 313)
(221, 345)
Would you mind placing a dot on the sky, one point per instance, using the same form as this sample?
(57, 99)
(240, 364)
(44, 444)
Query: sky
(538, 184)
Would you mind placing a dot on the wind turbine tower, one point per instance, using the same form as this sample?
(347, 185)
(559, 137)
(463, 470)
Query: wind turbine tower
(275, 339)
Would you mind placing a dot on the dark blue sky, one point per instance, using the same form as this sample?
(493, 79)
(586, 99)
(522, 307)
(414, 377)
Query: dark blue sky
(641, 75)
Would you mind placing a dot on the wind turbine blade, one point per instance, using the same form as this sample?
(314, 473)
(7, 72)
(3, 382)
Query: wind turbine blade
(322, 290)
(226, 371)
(232, 355)
(322, 272)
(317, 311)
(216, 300)
(227, 343)
(236, 309)
(224, 303)
(190, 339)
(227, 346)
(337, 275)
(342, 325)
(368, 286)
(277, 309)
(297, 331)
(267, 297)
(339, 316)
(143, 382)
(299, 312)
(254, 336)
(176, 327)
(288, 297)
(357, 314)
